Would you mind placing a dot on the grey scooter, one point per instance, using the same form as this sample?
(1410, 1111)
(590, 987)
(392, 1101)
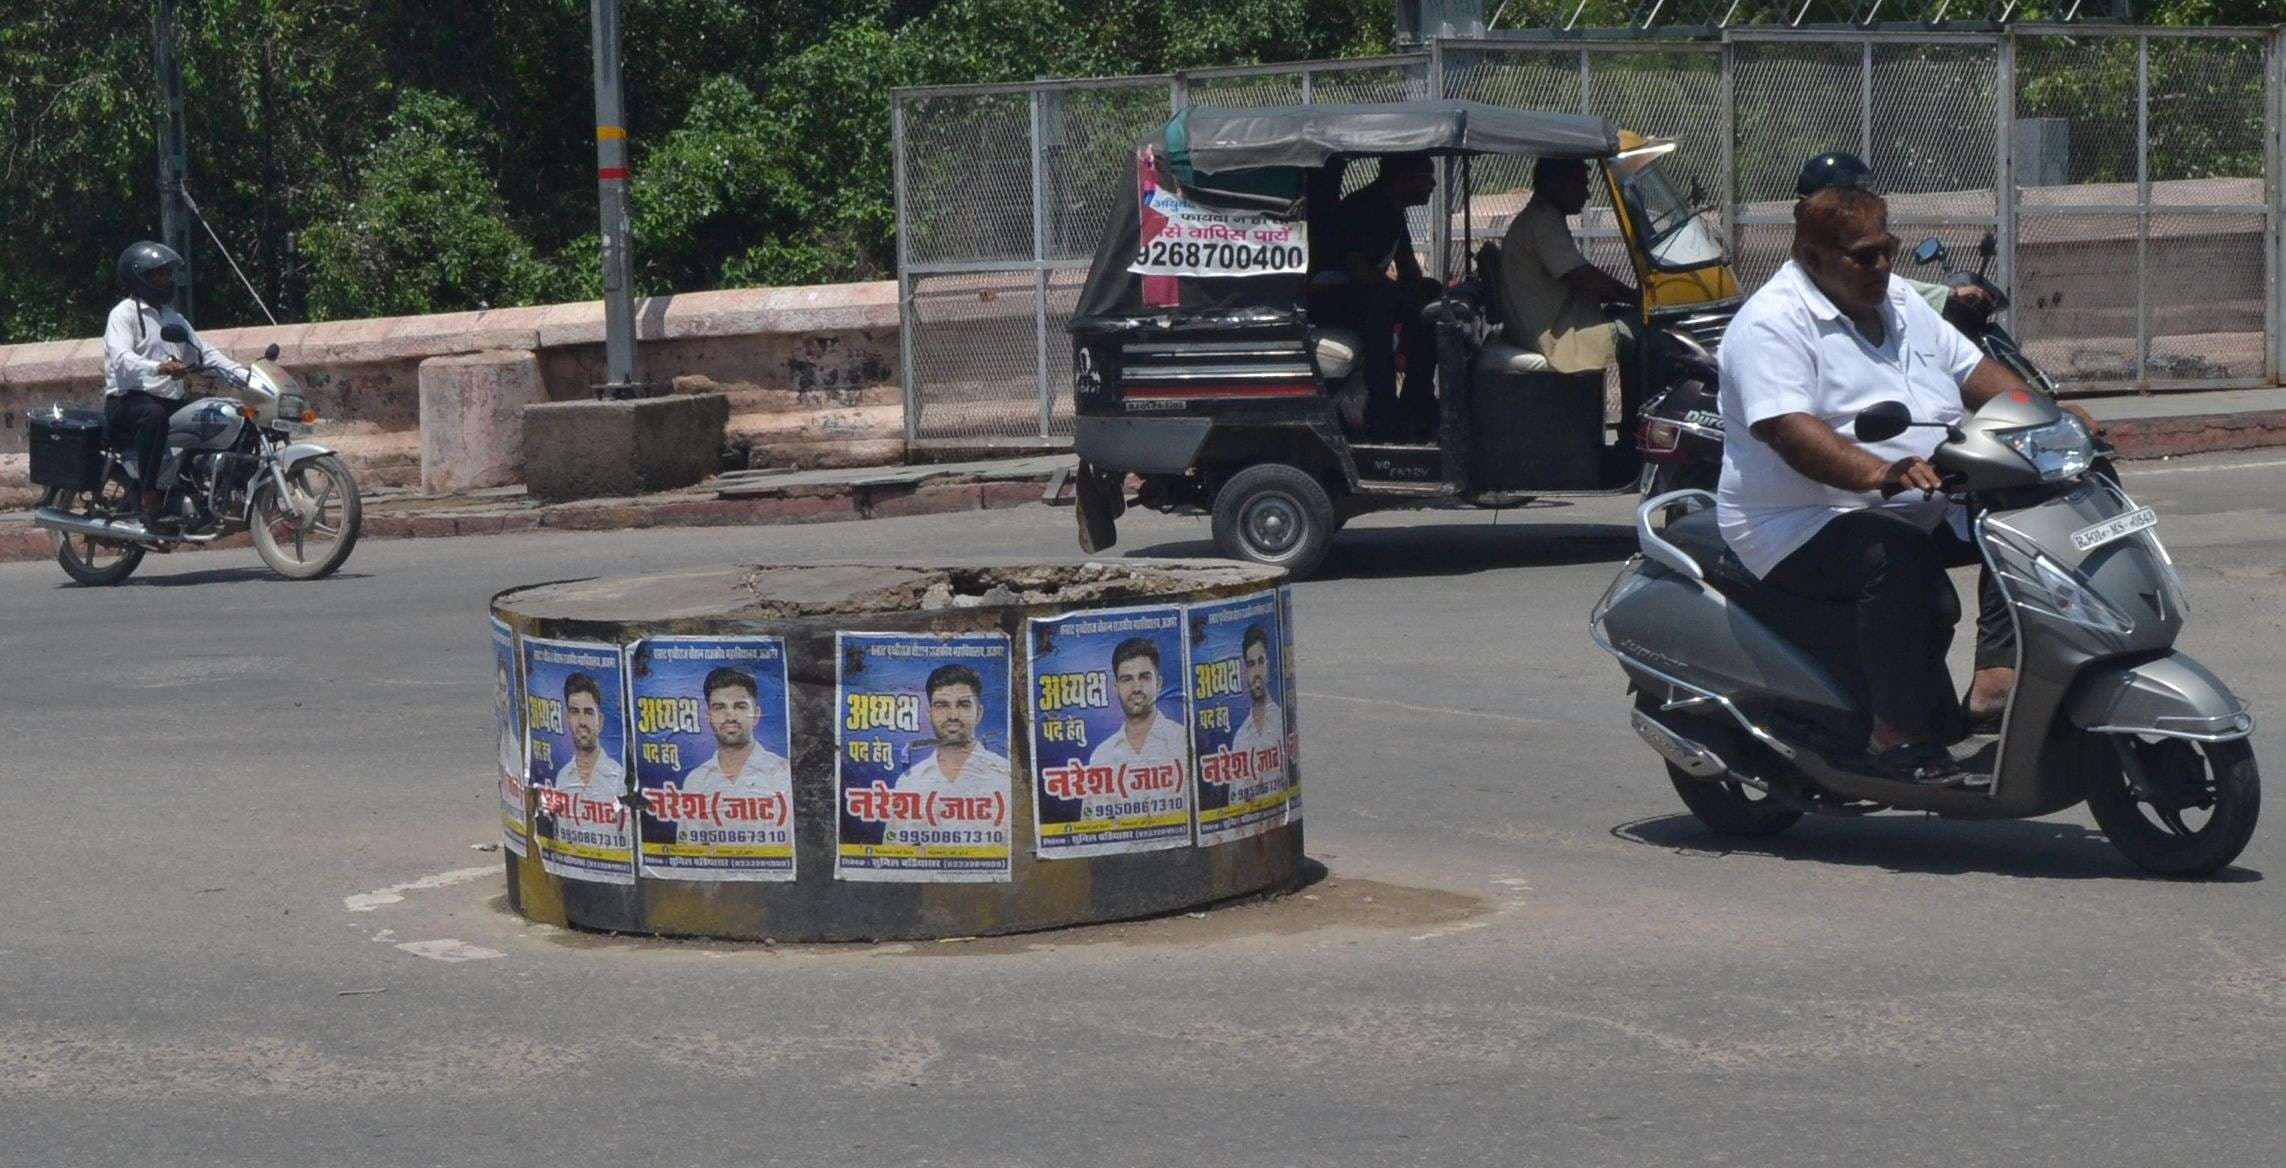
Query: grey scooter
(1757, 701)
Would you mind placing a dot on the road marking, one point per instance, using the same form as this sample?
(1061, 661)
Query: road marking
(1450, 711)
(368, 901)
(449, 949)
(2137, 472)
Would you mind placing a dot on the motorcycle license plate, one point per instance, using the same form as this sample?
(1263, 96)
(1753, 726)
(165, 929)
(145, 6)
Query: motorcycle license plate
(2117, 527)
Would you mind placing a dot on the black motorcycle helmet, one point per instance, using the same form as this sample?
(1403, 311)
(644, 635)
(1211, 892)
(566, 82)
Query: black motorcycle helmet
(136, 265)
(1834, 168)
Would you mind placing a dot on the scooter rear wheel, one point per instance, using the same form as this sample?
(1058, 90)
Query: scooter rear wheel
(2185, 781)
(1732, 809)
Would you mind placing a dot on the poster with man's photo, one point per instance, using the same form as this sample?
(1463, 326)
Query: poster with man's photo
(923, 781)
(1111, 761)
(576, 746)
(508, 723)
(1293, 702)
(1238, 720)
(711, 755)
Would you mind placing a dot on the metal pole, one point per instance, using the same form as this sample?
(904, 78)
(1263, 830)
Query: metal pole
(174, 147)
(611, 193)
(2004, 174)
(2274, 181)
(905, 314)
(1728, 114)
(1865, 102)
(2143, 210)
(1040, 263)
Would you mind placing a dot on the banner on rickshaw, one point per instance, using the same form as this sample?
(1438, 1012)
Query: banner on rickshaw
(1178, 236)
(711, 730)
(921, 748)
(1111, 761)
(575, 717)
(508, 719)
(1238, 717)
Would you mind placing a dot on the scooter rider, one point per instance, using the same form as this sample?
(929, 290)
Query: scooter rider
(143, 371)
(1811, 511)
(1839, 168)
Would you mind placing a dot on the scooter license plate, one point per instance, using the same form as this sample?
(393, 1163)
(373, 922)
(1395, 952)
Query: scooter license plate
(2117, 527)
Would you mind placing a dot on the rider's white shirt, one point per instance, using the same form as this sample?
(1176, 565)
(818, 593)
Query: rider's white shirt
(1790, 351)
(133, 350)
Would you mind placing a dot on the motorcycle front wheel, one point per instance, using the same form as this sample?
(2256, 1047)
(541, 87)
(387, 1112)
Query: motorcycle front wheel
(310, 534)
(95, 563)
(2191, 811)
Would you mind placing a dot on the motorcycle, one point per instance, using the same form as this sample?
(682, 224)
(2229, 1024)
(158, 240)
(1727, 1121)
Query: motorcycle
(1757, 701)
(1679, 429)
(233, 464)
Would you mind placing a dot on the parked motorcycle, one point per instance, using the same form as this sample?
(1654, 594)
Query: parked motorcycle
(1756, 699)
(232, 465)
(1679, 429)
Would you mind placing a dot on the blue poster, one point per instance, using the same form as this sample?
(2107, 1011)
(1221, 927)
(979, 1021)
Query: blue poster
(921, 757)
(1293, 703)
(577, 744)
(1111, 762)
(711, 757)
(508, 722)
(1238, 723)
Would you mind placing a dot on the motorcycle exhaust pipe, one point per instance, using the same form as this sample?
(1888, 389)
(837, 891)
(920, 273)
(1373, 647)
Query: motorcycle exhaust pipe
(1688, 756)
(117, 530)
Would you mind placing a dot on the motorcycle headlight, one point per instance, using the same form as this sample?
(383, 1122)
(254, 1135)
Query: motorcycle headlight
(2061, 449)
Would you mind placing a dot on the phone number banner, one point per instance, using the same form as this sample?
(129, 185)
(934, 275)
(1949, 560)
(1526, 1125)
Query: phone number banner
(1111, 763)
(711, 758)
(923, 782)
(508, 719)
(1238, 722)
(1179, 237)
(577, 741)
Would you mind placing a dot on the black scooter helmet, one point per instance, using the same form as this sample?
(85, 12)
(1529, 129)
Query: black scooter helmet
(1834, 168)
(136, 265)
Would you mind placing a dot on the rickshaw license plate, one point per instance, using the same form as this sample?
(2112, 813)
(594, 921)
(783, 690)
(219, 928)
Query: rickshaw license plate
(2117, 527)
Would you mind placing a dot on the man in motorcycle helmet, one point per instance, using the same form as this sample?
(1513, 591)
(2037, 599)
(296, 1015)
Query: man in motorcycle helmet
(1839, 168)
(143, 371)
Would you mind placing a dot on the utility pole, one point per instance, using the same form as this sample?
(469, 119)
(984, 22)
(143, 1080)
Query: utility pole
(174, 149)
(611, 189)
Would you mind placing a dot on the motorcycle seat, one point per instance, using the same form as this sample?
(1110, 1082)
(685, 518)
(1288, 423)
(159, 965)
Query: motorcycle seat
(1697, 536)
(1826, 629)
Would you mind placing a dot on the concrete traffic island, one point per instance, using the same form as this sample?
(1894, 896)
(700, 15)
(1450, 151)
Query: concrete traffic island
(887, 752)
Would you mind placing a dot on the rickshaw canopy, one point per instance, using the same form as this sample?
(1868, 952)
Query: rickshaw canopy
(1215, 141)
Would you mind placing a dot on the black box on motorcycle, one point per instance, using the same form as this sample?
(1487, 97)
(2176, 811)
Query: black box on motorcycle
(67, 448)
(1537, 431)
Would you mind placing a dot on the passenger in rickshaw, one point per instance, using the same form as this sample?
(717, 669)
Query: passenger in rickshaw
(1551, 297)
(1351, 288)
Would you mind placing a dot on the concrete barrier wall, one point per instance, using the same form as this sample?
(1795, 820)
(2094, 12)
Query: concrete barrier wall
(774, 351)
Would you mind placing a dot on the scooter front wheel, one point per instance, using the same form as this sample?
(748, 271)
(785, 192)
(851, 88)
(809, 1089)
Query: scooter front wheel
(2189, 811)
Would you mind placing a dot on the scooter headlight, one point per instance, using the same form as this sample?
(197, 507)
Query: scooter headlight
(2065, 593)
(2061, 449)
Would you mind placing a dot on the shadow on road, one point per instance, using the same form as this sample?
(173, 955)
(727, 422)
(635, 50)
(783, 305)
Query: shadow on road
(2028, 848)
(1447, 549)
(223, 576)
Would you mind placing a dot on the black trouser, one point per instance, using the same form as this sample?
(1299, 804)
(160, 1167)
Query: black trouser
(1371, 311)
(137, 422)
(1894, 573)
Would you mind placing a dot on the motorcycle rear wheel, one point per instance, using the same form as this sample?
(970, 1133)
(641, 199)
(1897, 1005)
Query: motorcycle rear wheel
(2216, 779)
(1728, 807)
(300, 548)
(94, 563)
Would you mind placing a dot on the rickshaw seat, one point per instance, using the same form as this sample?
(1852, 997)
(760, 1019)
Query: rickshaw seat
(1336, 352)
(1502, 357)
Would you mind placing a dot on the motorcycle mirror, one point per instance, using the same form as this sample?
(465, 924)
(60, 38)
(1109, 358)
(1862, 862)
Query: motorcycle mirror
(1988, 247)
(1882, 421)
(1698, 193)
(1929, 251)
(271, 353)
(175, 334)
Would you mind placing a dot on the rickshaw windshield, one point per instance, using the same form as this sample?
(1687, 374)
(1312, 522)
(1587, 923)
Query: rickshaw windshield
(1675, 233)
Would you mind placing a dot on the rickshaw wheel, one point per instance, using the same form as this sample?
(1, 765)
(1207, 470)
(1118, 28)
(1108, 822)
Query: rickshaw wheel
(1276, 514)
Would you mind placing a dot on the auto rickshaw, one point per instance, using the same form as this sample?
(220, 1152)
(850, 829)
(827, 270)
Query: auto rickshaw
(1198, 369)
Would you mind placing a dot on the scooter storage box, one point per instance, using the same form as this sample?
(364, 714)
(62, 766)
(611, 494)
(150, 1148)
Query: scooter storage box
(67, 448)
(1537, 431)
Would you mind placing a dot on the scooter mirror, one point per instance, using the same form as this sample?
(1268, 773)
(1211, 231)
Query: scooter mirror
(1929, 251)
(271, 353)
(1988, 247)
(174, 334)
(1882, 421)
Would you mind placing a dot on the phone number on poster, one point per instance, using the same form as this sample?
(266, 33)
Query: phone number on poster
(1174, 255)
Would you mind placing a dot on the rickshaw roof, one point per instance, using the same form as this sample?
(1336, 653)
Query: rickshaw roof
(1222, 140)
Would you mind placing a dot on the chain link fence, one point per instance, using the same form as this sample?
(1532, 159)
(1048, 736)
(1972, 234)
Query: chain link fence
(2129, 179)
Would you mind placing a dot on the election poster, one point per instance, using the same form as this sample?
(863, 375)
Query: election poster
(1293, 702)
(508, 721)
(1178, 236)
(1238, 723)
(923, 782)
(1111, 762)
(711, 755)
(576, 746)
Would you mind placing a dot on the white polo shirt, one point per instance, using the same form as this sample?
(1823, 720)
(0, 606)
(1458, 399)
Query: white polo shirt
(984, 774)
(1163, 743)
(1790, 351)
(764, 774)
(1265, 727)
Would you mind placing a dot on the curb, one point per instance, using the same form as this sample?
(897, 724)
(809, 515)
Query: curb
(2196, 433)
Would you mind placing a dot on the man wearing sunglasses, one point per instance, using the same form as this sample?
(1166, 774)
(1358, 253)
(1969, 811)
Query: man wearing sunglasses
(1839, 168)
(1809, 509)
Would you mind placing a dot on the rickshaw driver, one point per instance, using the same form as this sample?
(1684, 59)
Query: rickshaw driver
(1551, 296)
(1350, 287)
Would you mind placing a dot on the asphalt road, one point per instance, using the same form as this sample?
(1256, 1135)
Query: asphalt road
(245, 813)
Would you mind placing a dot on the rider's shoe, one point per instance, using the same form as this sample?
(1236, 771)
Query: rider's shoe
(1921, 763)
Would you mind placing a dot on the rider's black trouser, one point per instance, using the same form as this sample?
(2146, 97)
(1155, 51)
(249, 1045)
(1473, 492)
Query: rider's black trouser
(1894, 575)
(137, 422)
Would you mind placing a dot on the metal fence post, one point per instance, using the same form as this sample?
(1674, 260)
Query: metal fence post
(1865, 101)
(1040, 262)
(1727, 63)
(2004, 168)
(1587, 91)
(2143, 210)
(905, 321)
(2274, 184)
(1306, 87)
